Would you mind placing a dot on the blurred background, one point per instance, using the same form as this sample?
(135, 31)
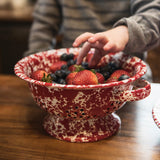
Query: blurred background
(15, 23)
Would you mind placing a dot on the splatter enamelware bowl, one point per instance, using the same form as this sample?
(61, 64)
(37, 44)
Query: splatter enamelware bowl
(83, 113)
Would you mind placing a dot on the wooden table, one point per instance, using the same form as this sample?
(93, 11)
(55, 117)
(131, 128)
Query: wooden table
(22, 136)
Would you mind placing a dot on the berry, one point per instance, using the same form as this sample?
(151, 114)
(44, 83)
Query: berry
(100, 78)
(70, 56)
(53, 77)
(64, 73)
(112, 67)
(70, 62)
(117, 74)
(41, 75)
(72, 68)
(85, 77)
(106, 75)
(67, 72)
(59, 73)
(64, 57)
(61, 81)
(57, 66)
(64, 67)
(70, 77)
(75, 68)
(85, 65)
(104, 69)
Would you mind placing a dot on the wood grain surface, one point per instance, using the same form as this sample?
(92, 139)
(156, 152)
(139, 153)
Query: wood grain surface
(22, 136)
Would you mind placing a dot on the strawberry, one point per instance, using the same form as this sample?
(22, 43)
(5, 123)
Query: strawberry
(72, 68)
(57, 65)
(41, 75)
(100, 78)
(116, 75)
(70, 77)
(85, 77)
(75, 68)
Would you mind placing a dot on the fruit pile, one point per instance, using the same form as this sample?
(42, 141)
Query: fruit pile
(66, 71)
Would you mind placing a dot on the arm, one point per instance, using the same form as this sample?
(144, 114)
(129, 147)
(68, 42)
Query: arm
(45, 27)
(143, 26)
(135, 34)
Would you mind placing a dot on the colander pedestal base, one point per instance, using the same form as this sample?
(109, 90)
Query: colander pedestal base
(80, 130)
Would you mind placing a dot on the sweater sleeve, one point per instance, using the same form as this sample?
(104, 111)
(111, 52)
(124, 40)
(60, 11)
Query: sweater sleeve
(46, 25)
(143, 25)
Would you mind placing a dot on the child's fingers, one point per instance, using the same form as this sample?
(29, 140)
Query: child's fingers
(96, 58)
(86, 48)
(109, 47)
(83, 52)
(98, 37)
(97, 45)
(82, 38)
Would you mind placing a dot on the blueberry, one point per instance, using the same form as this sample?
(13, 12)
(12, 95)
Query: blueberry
(104, 69)
(53, 77)
(64, 57)
(85, 65)
(112, 66)
(70, 62)
(58, 73)
(75, 61)
(61, 81)
(98, 70)
(67, 72)
(106, 75)
(64, 73)
(123, 77)
(64, 67)
(70, 56)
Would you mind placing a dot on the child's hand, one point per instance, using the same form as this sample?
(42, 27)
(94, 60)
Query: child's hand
(113, 40)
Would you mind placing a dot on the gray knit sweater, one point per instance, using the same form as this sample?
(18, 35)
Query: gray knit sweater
(71, 18)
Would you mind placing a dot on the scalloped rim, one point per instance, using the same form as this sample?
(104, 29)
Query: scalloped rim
(156, 113)
(20, 74)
